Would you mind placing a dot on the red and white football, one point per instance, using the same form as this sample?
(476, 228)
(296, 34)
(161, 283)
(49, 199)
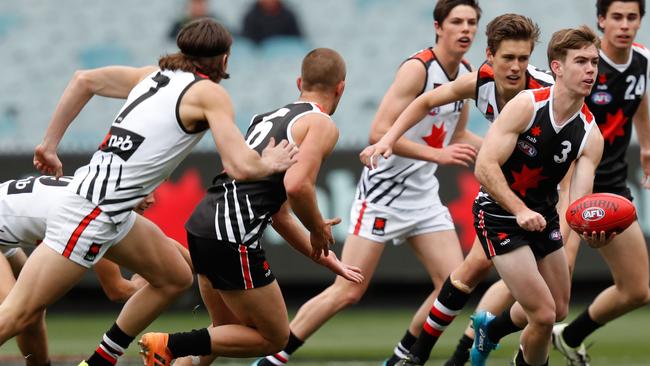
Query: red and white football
(601, 212)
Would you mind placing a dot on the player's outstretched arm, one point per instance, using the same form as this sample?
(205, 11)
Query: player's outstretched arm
(317, 135)
(642, 126)
(112, 81)
(294, 233)
(459, 89)
(582, 181)
(208, 101)
(464, 136)
(497, 147)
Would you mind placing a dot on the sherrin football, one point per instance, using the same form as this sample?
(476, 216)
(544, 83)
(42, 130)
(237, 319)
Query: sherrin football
(601, 212)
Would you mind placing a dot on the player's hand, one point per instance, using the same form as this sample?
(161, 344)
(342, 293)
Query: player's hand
(370, 155)
(281, 156)
(597, 240)
(350, 273)
(530, 220)
(457, 154)
(47, 161)
(322, 238)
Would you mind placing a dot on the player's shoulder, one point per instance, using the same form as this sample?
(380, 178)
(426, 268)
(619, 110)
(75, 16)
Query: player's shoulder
(539, 78)
(425, 55)
(641, 50)
(540, 95)
(586, 114)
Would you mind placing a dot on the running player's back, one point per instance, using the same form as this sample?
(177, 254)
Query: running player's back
(24, 206)
(238, 212)
(147, 140)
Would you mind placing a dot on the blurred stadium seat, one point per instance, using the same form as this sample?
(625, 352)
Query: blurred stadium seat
(44, 42)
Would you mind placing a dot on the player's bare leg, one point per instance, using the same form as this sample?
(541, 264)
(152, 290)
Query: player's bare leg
(357, 251)
(32, 341)
(627, 258)
(440, 254)
(542, 293)
(46, 276)
(220, 314)
(147, 251)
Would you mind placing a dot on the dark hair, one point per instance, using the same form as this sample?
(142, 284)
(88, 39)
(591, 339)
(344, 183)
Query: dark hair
(203, 45)
(444, 7)
(322, 70)
(602, 6)
(570, 39)
(511, 27)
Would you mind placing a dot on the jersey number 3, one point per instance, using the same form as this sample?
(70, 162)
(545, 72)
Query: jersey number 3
(564, 154)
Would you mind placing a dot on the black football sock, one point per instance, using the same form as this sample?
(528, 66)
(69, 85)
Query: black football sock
(194, 343)
(576, 332)
(401, 349)
(283, 356)
(112, 346)
(501, 326)
(461, 354)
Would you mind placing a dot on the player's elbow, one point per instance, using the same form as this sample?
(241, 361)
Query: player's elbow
(296, 188)
(239, 171)
(82, 79)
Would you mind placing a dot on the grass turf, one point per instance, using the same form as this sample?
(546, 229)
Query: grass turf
(361, 336)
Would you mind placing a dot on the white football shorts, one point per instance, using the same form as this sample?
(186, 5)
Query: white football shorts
(383, 224)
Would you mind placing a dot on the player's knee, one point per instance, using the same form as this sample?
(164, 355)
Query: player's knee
(544, 315)
(561, 311)
(346, 294)
(637, 296)
(175, 280)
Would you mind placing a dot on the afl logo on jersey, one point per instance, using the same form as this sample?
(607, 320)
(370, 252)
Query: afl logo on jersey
(601, 98)
(121, 142)
(527, 148)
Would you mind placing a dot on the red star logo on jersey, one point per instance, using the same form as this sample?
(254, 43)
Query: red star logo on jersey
(536, 131)
(602, 79)
(502, 236)
(437, 136)
(613, 126)
(526, 179)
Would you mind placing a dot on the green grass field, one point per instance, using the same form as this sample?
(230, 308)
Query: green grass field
(359, 336)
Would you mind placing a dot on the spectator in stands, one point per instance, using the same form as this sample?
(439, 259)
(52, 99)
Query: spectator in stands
(269, 18)
(194, 9)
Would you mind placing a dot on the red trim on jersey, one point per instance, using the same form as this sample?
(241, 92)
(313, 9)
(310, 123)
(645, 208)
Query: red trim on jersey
(639, 45)
(486, 72)
(431, 330)
(439, 314)
(100, 351)
(280, 358)
(357, 227)
(202, 75)
(245, 267)
(425, 55)
(80, 229)
(588, 116)
(533, 83)
(319, 107)
(542, 94)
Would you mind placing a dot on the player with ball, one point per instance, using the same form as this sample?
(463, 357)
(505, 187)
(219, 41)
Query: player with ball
(526, 153)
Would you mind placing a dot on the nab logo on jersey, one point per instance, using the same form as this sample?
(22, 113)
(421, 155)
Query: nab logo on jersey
(121, 142)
